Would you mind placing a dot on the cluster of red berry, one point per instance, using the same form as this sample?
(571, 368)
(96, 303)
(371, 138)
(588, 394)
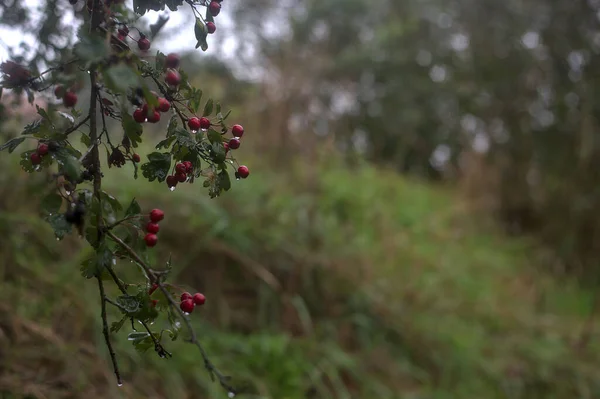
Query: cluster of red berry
(68, 97)
(151, 115)
(188, 301)
(123, 32)
(182, 171)
(36, 157)
(156, 215)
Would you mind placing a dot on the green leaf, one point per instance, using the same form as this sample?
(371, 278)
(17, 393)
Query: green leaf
(117, 325)
(218, 108)
(172, 126)
(195, 99)
(85, 140)
(121, 77)
(208, 108)
(224, 180)
(200, 32)
(90, 48)
(136, 335)
(129, 304)
(214, 136)
(133, 130)
(12, 144)
(69, 164)
(59, 224)
(166, 143)
(95, 265)
(110, 204)
(185, 138)
(133, 209)
(51, 203)
(33, 127)
(143, 345)
(157, 167)
(160, 61)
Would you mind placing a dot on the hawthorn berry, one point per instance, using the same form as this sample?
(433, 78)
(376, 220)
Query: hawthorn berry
(187, 306)
(194, 123)
(234, 143)
(164, 105)
(144, 43)
(181, 168)
(151, 239)
(59, 91)
(152, 227)
(121, 37)
(214, 8)
(156, 215)
(199, 299)
(153, 303)
(36, 158)
(204, 123)
(136, 158)
(123, 31)
(185, 295)
(154, 117)
(70, 99)
(226, 146)
(42, 149)
(189, 167)
(139, 115)
(172, 181)
(181, 177)
(243, 171)
(172, 61)
(211, 27)
(173, 78)
(237, 130)
(152, 289)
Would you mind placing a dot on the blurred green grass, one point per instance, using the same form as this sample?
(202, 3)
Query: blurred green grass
(322, 281)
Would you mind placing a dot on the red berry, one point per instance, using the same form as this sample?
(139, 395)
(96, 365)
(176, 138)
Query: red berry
(172, 61)
(204, 123)
(199, 299)
(154, 117)
(144, 44)
(237, 130)
(243, 171)
(151, 239)
(181, 177)
(156, 215)
(121, 37)
(187, 306)
(152, 289)
(139, 115)
(123, 31)
(145, 110)
(36, 158)
(211, 27)
(226, 145)
(42, 149)
(194, 123)
(234, 143)
(214, 8)
(152, 227)
(189, 167)
(180, 168)
(136, 158)
(163, 105)
(186, 295)
(172, 181)
(70, 99)
(59, 91)
(153, 303)
(173, 78)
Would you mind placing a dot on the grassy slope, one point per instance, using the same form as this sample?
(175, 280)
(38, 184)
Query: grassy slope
(388, 290)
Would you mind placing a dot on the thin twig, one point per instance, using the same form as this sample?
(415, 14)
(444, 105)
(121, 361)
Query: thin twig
(162, 352)
(72, 129)
(166, 94)
(105, 331)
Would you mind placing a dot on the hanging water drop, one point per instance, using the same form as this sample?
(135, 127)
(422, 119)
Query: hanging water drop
(37, 168)
(237, 178)
(231, 394)
(57, 239)
(114, 261)
(119, 384)
(67, 192)
(204, 130)
(194, 131)
(172, 189)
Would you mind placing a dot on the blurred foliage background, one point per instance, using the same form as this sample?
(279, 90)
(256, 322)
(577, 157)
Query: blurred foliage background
(421, 220)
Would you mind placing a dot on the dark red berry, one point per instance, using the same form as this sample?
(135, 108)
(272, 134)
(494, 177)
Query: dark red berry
(151, 239)
(121, 37)
(172, 181)
(42, 149)
(152, 289)
(187, 306)
(144, 44)
(172, 61)
(59, 91)
(70, 99)
(199, 299)
(180, 168)
(226, 146)
(189, 167)
(163, 105)
(136, 158)
(237, 130)
(214, 8)
(185, 295)
(152, 227)
(243, 171)
(123, 31)
(139, 115)
(146, 110)
(211, 27)
(234, 143)
(181, 177)
(194, 123)
(172, 78)
(153, 303)
(154, 117)
(36, 158)
(156, 215)
(204, 123)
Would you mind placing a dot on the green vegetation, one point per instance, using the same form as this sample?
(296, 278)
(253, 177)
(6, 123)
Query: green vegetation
(321, 283)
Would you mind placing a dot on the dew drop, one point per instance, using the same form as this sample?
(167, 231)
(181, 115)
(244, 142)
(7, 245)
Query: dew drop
(162, 355)
(57, 239)
(120, 384)
(114, 261)
(186, 313)
(177, 324)
(204, 130)
(172, 189)
(98, 142)
(237, 137)
(231, 394)
(37, 168)
(194, 131)
(68, 192)
(237, 178)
